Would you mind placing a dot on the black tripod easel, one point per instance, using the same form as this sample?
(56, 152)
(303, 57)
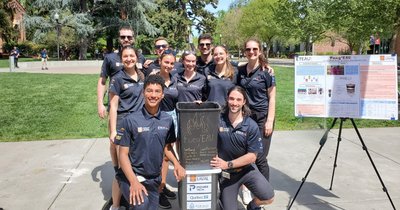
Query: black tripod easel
(322, 143)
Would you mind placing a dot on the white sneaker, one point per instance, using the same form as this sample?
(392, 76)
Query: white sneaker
(246, 196)
(114, 208)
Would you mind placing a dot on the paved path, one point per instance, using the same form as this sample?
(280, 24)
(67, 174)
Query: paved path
(76, 174)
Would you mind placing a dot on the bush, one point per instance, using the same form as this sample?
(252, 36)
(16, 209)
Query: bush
(26, 48)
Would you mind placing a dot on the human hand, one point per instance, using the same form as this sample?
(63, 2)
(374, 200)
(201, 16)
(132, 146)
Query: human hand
(136, 195)
(268, 128)
(217, 162)
(147, 63)
(101, 111)
(113, 134)
(179, 172)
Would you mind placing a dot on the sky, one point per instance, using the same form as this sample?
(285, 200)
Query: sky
(222, 5)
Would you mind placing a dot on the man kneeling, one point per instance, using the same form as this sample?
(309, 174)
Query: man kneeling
(146, 135)
(239, 141)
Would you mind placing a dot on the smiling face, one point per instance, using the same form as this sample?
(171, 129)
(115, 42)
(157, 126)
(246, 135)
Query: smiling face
(252, 50)
(126, 37)
(220, 55)
(167, 63)
(236, 101)
(160, 46)
(189, 61)
(128, 58)
(205, 46)
(153, 94)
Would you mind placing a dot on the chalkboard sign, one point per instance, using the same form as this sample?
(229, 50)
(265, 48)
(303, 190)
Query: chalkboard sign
(198, 133)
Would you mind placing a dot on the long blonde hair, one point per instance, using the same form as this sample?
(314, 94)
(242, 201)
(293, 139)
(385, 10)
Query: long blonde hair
(230, 69)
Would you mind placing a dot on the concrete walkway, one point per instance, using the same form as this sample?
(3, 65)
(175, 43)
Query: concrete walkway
(76, 174)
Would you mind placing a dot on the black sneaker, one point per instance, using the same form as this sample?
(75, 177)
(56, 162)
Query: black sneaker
(168, 193)
(163, 202)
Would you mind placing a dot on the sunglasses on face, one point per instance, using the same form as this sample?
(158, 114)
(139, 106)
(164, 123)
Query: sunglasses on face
(161, 46)
(205, 44)
(249, 49)
(126, 37)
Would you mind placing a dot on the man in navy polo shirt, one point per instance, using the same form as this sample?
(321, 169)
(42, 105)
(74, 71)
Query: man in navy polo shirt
(239, 141)
(205, 46)
(161, 45)
(111, 65)
(145, 136)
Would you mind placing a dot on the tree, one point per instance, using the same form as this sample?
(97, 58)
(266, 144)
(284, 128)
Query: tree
(357, 20)
(228, 27)
(7, 31)
(304, 20)
(42, 22)
(258, 20)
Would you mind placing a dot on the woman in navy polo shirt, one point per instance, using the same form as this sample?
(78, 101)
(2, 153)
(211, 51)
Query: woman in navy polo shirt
(125, 90)
(191, 85)
(260, 88)
(221, 76)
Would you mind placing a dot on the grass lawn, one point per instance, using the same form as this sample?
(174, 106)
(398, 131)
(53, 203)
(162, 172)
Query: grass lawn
(5, 63)
(49, 106)
(63, 106)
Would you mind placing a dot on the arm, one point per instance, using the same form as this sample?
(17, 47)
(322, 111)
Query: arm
(179, 171)
(101, 86)
(136, 189)
(113, 115)
(269, 124)
(243, 160)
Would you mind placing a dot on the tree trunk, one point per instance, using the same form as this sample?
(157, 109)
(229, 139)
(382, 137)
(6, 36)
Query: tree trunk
(83, 48)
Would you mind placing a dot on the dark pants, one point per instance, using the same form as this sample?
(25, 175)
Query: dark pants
(150, 201)
(262, 161)
(252, 179)
(16, 62)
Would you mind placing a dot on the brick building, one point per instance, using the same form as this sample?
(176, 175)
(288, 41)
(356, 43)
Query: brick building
(17, 20)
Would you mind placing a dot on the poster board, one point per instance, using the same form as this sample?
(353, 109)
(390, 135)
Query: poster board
(348, 86)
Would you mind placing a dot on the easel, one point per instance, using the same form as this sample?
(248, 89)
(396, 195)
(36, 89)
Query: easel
(322, 143)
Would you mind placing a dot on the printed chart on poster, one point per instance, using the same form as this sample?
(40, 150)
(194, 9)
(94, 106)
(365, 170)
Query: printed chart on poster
(351, 86)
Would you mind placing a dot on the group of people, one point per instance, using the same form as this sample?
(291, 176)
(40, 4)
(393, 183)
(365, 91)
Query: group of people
(142, 99)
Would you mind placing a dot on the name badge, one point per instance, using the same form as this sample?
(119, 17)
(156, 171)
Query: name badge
(226, 175)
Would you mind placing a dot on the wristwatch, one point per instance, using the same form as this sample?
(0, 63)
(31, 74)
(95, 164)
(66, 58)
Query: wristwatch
(230, 164)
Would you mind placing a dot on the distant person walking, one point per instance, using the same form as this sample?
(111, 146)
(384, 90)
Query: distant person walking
(44, 56)
(15, 53)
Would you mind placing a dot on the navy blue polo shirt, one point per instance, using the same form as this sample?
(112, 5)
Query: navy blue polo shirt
(218, 87)
(190, 91)
(130, 92)
(202, 66)
(170, 96)
(238, 141)
(146, 137)
(256, 85)
(111, 65)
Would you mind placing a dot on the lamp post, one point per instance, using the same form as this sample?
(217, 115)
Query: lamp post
(56, 17)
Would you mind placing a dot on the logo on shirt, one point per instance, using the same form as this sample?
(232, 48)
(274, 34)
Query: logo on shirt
(127, 85)
(222, 129)
(162, 128)
(143, 129)
(240, 133)
(118, 64)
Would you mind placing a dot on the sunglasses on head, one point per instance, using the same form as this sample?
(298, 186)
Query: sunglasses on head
(161, 46)
(167, 52)
(188, 52)
(205, 44)
(249, 49)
